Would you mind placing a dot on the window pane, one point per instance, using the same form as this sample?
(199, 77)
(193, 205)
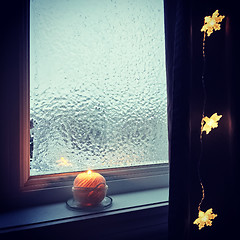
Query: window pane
(97, 84)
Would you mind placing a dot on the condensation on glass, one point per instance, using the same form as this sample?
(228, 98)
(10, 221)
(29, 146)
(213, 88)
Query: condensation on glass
(97, 85)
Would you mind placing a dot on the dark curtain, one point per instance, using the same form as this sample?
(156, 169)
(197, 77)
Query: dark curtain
(221, 152)
(178, 56)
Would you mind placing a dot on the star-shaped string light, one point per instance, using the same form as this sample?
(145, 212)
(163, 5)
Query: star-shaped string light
(62, 162)
(209, 123)
(212, 23)
(205, 218)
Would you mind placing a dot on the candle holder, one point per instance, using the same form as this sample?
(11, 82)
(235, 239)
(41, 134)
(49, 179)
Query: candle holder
(89, 196)
(104, 204)
(89, 192)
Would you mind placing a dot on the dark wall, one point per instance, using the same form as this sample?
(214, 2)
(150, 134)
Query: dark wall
(9, 94)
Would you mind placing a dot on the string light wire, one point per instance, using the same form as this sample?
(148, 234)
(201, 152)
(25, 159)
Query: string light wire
(202, 121)
(207, 124)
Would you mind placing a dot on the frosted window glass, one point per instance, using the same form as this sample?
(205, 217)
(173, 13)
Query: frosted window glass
(97, 85)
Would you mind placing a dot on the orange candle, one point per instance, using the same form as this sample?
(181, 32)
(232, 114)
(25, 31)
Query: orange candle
(89, 188)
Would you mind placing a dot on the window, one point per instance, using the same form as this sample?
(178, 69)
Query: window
(97, 85)
(92, 95)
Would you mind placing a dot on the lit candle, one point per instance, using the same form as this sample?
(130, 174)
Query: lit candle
(89, 188)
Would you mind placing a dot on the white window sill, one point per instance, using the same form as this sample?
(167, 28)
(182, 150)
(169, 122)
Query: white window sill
(153, 203)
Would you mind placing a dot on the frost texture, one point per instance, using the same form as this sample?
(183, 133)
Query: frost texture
(98, 84)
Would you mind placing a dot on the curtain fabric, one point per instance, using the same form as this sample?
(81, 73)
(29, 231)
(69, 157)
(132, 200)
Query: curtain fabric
(221, 153)
(177, 22)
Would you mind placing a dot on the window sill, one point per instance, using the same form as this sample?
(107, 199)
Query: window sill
(131, 213)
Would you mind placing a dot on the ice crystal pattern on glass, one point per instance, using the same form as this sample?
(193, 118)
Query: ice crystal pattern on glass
(97, 84)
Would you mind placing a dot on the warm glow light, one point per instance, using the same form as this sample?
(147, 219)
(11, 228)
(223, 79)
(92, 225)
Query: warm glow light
(63, 162)
(209, 123)
(205, 218)
(89, 188)
(212, 23)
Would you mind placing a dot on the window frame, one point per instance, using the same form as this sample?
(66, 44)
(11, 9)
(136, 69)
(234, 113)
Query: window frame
(32, 190)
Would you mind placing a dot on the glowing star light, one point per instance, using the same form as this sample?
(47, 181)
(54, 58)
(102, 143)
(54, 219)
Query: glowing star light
(212, 23)
(210, 123)
(205, 218)
(63, 162)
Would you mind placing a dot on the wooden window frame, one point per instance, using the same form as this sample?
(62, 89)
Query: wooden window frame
(23, 189)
